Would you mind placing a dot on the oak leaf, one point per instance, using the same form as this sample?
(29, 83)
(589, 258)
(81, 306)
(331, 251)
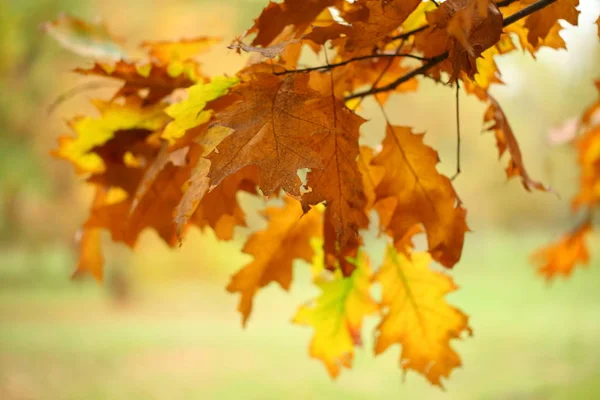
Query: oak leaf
(137, 76)
(588, 147)
(94, 132)
(561, 257)
(191, 112)
(540, 23)
(373, 20)
(337, 316)
(286, 238)
(507, 141)
(412, 191)
(417, 316)
(165, 52)
(277, 16)
(275, 124)
(339, 183)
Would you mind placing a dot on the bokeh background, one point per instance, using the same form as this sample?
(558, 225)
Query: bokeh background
(163, 327)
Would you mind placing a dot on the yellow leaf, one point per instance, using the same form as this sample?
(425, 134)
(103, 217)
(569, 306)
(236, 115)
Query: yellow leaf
(417, 315)
(190, 113)
(94, 132)
(337, 316)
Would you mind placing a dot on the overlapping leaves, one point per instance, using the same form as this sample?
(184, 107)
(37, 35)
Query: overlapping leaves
(173, 148)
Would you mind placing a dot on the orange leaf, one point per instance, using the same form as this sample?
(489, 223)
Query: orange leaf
(540, 23)
(274, 248)
(414, 192)
(506, 140)
(140, 76)
(91, 260)
(561, 257)
(373, 20)
(417, 315)
(588, 147)
(275, 17)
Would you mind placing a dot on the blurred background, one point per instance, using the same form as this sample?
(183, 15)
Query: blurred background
(163, 327)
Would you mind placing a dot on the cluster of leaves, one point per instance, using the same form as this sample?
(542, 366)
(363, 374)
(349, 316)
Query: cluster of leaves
(173, 147)
(561, 257)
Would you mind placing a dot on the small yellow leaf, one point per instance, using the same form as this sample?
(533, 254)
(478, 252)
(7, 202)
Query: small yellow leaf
(93, 132)
(190, 113)
(337, 316)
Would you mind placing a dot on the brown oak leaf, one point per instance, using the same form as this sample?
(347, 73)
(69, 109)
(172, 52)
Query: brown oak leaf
(412, 191)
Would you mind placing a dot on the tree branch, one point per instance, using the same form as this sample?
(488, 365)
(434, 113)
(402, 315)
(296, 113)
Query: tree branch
(423, 68)
(540, 4)
(350, 60)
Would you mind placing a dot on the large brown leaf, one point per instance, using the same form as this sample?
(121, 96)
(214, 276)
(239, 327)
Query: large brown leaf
(275, 126)
(413, 191)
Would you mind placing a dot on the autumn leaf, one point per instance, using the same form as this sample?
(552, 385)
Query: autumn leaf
(373, 20)
(414, 192)
(417, 316)
(277, 16)
(219, 208)
(275, 127)
(506, 141)
(541, 23)
(464, 30)
(85, 38)
(137, 76)
(177, 158)
(91, 259)
(286, 238)
(191, 112)
(338, 184)
(588, 146)
(165, 51)
(198, 183)
(561, 257)
(337, 316)
(94, 132)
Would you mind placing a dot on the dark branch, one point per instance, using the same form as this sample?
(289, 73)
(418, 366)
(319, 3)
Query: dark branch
(540, 4)
(423, 68)
(350, 60)
(526, 11)
(406, 35)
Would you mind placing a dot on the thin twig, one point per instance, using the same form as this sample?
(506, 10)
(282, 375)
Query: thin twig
(384, 71)
(75, 91)
(408, 34)
(423, 68)
(350, 60)
(526, 11)
(457, 133)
